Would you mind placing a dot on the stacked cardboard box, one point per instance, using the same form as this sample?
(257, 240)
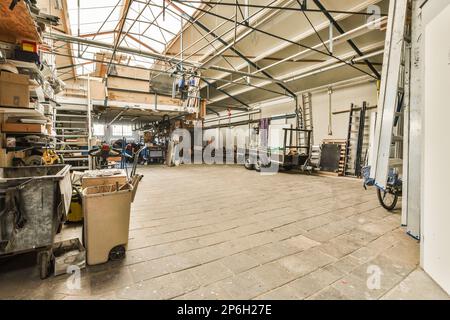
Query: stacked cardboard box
(6, 158)
(14, 90)
(14, 127)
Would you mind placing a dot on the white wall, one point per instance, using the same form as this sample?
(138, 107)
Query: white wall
(341, 100)
(436, 174)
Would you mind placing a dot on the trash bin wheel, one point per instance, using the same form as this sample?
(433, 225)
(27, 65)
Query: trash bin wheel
(117, 253)
(45, 262)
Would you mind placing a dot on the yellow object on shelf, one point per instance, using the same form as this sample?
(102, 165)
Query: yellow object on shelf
(76, 209)
(29, 46)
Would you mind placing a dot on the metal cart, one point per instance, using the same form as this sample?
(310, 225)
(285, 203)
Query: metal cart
(291, 155)
(295, 155)
(33, 204)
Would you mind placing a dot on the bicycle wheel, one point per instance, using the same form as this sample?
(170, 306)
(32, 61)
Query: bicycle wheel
(387, 199)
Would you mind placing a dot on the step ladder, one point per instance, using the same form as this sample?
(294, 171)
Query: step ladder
(306, 121)
(307, 114)
(388, 142)
(357, 140)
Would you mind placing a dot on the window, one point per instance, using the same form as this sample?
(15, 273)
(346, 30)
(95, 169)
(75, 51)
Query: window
(99, 129)
(122, 130)
(146, 26)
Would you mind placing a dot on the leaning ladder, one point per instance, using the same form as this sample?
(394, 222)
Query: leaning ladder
(392, 92)
(307, 124)
(307, 114)
(357, 140)
(349, 169)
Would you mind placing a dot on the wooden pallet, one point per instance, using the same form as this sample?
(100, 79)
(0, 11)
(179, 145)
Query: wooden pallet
(342, 160)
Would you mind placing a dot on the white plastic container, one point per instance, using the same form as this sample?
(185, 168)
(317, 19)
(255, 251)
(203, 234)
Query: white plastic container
(106, 222)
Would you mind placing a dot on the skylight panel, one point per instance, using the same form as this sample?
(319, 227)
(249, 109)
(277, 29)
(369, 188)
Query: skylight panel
(146, 27)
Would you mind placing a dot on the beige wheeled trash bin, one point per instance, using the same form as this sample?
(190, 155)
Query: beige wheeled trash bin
(106, 222)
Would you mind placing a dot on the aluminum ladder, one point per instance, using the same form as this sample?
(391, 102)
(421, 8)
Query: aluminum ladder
(392, 96)
(307, 114)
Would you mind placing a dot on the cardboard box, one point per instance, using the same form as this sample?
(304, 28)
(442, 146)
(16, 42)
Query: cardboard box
(104, 180)
(23, 128)
(6, 158)
(14, 90)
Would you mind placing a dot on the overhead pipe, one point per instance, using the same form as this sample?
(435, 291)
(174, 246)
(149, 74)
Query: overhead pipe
(350, 42)
(301, 74)
(255, 16)
(335, 66)
(204, 78)
(249, 121)
(258, 19)
(324, 88)
(142, 53)
(304, 35)
(245, 33)
(236, 51)
(104, 45)
(343, 37)
(237, 115)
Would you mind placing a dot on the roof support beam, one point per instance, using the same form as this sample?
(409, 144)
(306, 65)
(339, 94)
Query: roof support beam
(296, 57)
(342, 31)
(203, 77)
(272, 35)
(119, 34)
(250, 62)
(256, 19)
(302, 35)
(140, 42)
(320, 68)
(247, 107)
(242, 56)
(142, 53)
(273, 7)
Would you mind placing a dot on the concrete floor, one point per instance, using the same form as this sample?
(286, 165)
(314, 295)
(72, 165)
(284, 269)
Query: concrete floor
(221, 232)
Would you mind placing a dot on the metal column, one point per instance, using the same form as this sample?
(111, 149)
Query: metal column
(414, 175)
(89, 120)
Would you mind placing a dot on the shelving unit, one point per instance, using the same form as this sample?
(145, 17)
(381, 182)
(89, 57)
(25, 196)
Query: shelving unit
(72, 125)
